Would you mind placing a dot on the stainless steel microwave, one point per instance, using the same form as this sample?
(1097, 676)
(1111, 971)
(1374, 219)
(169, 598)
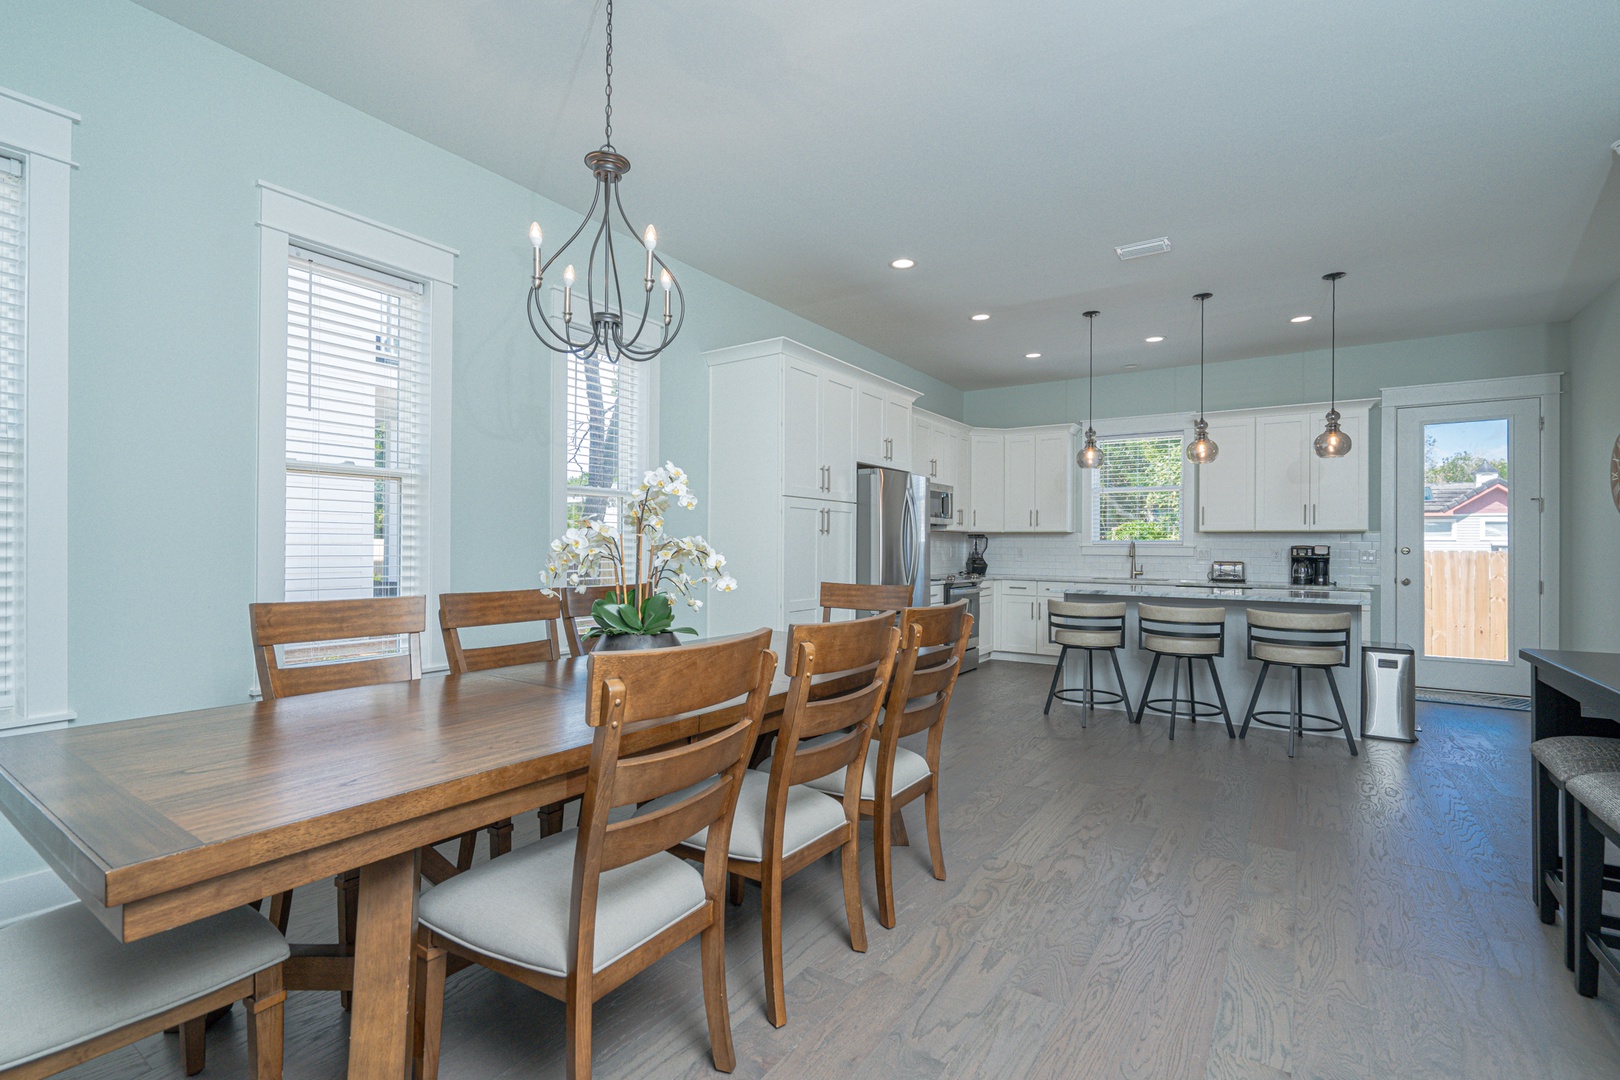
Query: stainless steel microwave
(941, 506)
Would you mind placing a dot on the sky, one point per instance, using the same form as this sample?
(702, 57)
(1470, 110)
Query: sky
(1487, 438)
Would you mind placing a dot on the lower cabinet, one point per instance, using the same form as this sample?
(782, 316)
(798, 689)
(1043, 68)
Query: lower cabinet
(820, 542)
(1019, 626)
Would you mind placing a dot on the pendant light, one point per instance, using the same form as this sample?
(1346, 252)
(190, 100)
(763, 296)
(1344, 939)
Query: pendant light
(1202, 450)
(1090, 457)
(1333, 443)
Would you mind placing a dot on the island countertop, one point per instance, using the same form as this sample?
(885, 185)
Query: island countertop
(1187, 589)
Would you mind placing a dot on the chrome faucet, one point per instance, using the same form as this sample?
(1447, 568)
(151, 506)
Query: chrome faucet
(1136, 571)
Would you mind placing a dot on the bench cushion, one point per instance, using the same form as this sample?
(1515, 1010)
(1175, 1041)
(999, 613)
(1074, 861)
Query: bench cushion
(64, 979)
(1600, 794)
(810, 816)
(1568, 756)
(515, 908)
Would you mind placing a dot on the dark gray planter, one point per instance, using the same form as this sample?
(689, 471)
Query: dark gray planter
(634, 642)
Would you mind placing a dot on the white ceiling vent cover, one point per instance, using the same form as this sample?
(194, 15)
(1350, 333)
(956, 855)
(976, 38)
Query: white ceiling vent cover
(1144, 247)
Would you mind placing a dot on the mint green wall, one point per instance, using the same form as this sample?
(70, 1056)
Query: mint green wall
(176, 132)
(1590, 597)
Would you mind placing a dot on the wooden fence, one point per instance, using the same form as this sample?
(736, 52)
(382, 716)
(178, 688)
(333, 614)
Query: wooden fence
(1465, 604)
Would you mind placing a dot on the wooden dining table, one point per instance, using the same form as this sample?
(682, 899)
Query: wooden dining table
(165, 820)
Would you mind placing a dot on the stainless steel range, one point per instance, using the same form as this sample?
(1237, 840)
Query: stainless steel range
(969, 588)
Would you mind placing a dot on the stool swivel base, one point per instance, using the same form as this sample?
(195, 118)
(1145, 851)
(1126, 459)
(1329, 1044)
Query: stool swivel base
(1087, 696)
(1172, 705)
(1296, 715)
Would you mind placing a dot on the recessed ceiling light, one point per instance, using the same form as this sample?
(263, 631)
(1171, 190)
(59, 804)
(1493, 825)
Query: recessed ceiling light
(903, 264)
(981, 316)
(1145, 247)
(1300, 318)
(1032, 356)
(1155, 339)
(1129, 366)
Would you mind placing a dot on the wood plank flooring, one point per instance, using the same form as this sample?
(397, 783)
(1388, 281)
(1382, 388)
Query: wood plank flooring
(1117, 906)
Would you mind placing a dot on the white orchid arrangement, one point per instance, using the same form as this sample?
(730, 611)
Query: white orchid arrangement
(648, 573)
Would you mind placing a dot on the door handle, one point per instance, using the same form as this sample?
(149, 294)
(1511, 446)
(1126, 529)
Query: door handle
(1406, 581)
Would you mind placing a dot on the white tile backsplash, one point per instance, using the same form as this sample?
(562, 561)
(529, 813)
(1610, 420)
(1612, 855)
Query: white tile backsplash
(1265, 555)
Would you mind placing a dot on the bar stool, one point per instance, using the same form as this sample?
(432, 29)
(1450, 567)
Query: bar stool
(1554, 764)
(1182, 633)
(1299, 641)
(1595, 803)
(1088, 627)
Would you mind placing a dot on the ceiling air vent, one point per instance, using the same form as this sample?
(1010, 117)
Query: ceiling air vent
(1145, 247)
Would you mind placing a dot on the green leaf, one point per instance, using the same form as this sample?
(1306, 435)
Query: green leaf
(609, 617)
(656, 614)
(683, 630)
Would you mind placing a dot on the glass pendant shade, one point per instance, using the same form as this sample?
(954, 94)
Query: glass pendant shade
(1202, 450)
(1332, 443)
(1090, 456)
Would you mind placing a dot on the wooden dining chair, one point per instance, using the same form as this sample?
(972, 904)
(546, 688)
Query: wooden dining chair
(582, 911)
(576, 606)
(336, 656)
(840, 673)
(70, 991)
(847, 596)
(459, 611)
(933, 642)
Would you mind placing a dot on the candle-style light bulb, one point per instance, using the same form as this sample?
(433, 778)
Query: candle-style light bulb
(649, 240)
(534, 238)
(668, 283)
(568, 293)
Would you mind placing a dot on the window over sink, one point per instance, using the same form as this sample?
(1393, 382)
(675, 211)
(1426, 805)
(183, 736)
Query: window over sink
(1137, 493)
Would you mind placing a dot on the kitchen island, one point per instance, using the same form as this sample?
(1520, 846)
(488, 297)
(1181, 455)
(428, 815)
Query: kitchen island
(1016, 639)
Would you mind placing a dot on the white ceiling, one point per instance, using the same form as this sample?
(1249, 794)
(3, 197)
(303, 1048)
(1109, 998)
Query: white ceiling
(1452, 155)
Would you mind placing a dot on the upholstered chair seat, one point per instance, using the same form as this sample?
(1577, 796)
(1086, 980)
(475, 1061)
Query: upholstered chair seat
(810, 816)
(1299, 655)
(516, 908)
(1568, 756)
(64, 980)
(1180, 646)
(909, 767)
(1090, 639)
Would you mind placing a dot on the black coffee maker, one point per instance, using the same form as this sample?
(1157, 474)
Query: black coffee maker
(1308, 564)
(978, 544)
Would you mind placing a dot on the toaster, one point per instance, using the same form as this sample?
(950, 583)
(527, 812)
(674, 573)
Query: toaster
(1226, 570)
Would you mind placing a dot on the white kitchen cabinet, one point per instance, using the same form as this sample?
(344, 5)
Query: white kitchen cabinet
(781, 488)
(987, 472)
(1339, 485)
(1055, 476)
(1282, 484)
(1018, 627)
(1226, 500)
(1018, 484)
(883, 426)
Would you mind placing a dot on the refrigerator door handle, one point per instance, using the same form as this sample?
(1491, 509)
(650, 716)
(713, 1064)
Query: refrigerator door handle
(907, 537)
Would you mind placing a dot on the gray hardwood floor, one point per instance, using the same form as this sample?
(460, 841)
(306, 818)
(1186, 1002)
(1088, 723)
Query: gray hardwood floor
(1117, 906)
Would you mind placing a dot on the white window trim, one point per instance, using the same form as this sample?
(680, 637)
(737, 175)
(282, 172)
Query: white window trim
(1115, 427)
(559, 420)
(43, 135)
(284, 218)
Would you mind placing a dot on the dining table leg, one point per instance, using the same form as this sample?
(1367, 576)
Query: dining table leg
(380, 1026)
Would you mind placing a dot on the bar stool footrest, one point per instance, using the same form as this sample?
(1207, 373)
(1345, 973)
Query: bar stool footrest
(1161, 705)
(1330, 723)
(1098, 697)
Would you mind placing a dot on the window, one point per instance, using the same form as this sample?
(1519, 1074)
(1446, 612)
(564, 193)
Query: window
(1136, 494)
(356, 430)
(36, 154)
(354, 411)
(1438, 528)
(604, 448)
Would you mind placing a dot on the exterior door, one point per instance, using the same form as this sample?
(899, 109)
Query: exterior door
(1468, 539)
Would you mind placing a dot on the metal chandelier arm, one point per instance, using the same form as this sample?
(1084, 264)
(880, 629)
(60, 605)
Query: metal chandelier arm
(543, 329)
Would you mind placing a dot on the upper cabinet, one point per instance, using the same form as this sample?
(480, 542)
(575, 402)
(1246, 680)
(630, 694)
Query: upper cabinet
(988, 451)
(1267, 477)
(883, 425)
(941, 450)
(1023, 480)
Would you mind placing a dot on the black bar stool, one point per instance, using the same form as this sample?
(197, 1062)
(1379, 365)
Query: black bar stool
(1554, 763)
(1089, 627)
(1182, 633)
(1595, 800)
(1299, 640)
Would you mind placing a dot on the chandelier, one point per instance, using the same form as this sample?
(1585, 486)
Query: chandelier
(605, 307)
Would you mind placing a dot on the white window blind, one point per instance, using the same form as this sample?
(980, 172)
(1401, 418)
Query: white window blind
(13, 292)
(1136, 495)
(605, 432)
(357, 430)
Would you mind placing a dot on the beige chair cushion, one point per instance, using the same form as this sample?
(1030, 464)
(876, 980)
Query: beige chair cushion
(909, 767)
(1176, 646)
(1599, 792)
(1568, 756)
(810, 816)
(1077, 609)
(64, 979)
(515, 908)
(1090, 639)
(1298, 620)
(1299, 655)
(1179, 613)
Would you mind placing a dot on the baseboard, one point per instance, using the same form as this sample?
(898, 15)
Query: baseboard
(31, 894)
(1021, 658)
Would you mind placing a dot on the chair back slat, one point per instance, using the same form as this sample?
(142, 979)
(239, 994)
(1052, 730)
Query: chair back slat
(683, 679)
(934, 680)
(646, 777)
(458, 611)
(1322, 630)
(576, 605)
(313, 622)
(919, 696)
(848, 596)
(921, 716)
(816, 762)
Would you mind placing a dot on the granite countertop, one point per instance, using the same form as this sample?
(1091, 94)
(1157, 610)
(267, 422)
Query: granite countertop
(1257, 592)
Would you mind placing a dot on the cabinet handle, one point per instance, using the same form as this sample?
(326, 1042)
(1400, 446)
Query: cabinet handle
(1037, 518)
(1303, 518)
(1313, 513)
(1200, 517)
(959, 517)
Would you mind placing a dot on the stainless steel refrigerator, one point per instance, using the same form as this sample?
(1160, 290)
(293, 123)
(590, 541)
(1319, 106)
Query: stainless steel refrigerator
(891, 530)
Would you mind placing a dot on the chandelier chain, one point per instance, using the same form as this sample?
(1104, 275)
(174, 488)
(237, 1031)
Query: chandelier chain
(607, 124)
